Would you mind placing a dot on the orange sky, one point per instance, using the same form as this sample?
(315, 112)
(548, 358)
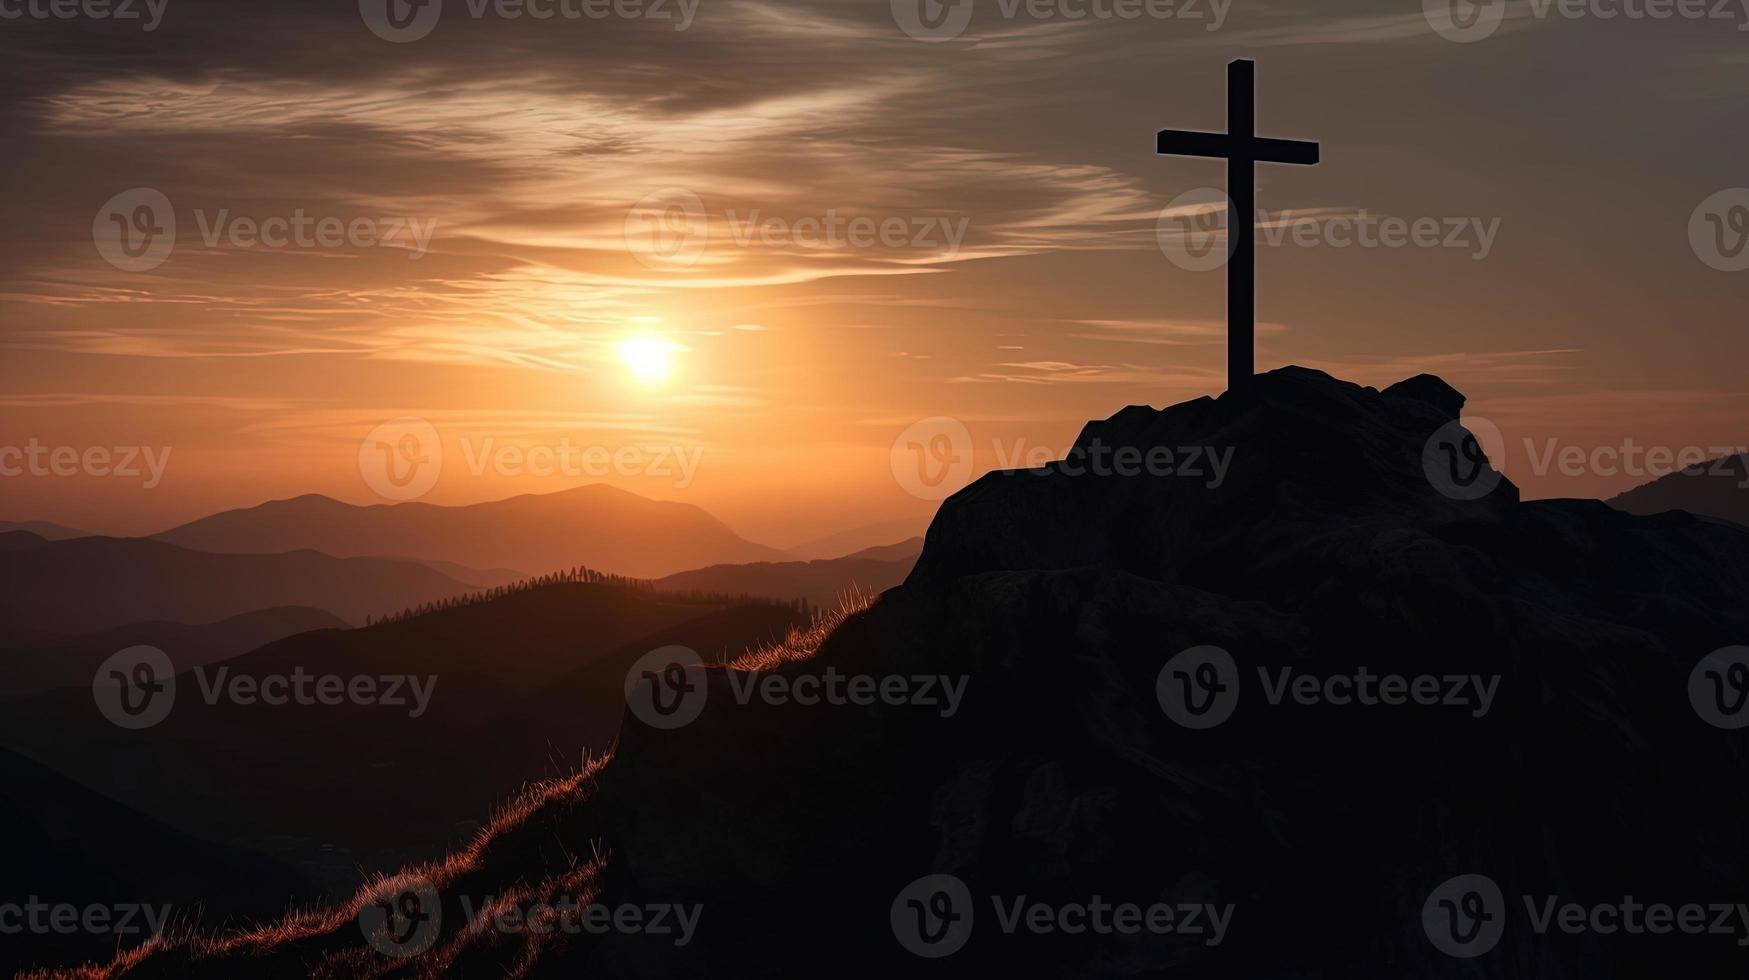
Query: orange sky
(865, 229)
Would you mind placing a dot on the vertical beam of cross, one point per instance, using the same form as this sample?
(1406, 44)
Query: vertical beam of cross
(1243, 150)
(1241, 225)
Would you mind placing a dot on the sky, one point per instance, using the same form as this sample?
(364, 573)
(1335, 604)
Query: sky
(732, 252)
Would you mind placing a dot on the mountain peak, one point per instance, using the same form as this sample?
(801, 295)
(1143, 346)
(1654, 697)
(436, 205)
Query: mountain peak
(1221, 482)
(1433, 390)
(597, 524)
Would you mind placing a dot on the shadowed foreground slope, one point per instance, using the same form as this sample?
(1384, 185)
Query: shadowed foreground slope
(1070, 774)
(331, 789)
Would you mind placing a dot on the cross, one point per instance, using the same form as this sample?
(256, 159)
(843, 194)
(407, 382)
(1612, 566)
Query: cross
(1243, 148)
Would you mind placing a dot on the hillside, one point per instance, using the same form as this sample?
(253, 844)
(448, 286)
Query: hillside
(82, 585)
(71, 662)
(16, 540)
(824, 583)
(330, 788)
(597, 525)
(1081, 769)
(65, 843)
(906, 550)
(43, 529)
(1718, 488)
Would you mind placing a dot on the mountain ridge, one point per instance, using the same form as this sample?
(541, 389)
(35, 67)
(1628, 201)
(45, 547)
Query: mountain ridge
(595, 524)
(82, 585)
(1717, 488)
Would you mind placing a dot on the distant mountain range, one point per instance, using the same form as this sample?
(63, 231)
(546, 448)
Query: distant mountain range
(55, 589)
(842, 543)
(43, 529)
(1717, 488)
(597, 525)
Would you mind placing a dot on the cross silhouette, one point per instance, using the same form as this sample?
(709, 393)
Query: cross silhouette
(1243, 149)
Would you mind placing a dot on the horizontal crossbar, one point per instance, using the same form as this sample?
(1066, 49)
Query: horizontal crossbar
(1184, 142)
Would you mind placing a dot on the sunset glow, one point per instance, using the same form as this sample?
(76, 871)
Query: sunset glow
(532, 235)
(649, 360)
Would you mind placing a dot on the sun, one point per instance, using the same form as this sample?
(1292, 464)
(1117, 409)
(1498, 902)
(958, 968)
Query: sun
(650, 361)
